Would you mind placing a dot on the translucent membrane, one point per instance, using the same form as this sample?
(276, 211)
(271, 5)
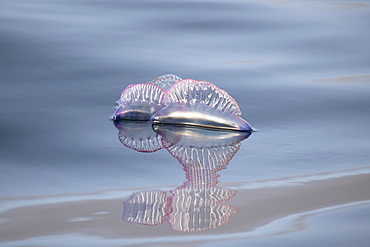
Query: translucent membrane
(139, 102)
(200, 103)
(204, 93)
(165, 81)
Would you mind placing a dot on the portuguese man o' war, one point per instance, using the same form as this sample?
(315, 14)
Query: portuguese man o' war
(202, 104)
(170, 100)
(165, 81)
(139, 102)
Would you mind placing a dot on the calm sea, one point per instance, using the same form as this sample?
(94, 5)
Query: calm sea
(300, 71)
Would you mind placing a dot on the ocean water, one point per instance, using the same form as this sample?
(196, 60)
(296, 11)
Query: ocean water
(299, 71)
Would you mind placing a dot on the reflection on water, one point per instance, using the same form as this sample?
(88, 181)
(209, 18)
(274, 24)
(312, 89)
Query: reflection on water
(138, 135)
(197, 204)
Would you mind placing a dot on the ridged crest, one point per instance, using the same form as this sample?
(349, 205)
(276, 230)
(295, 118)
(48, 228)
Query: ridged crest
(139, 102)
(142, 92)
(166, 81)
(201, 92)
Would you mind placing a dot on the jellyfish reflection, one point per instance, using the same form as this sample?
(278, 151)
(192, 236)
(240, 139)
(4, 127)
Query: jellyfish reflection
(138, 135)
(198, 204)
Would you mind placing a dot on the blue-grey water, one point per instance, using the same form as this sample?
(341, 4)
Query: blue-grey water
(300, 71)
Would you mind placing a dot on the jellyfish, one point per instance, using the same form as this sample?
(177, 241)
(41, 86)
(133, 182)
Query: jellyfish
(202, 104)
(165, 81)
(138, 102)
(170, 100)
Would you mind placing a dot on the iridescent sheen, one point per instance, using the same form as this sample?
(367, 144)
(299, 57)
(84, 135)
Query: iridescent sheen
(139, 102)
(202, 104)
(186, 102)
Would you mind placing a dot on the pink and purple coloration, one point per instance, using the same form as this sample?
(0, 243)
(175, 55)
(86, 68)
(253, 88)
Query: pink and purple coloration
(138, 102)
(186, 102)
